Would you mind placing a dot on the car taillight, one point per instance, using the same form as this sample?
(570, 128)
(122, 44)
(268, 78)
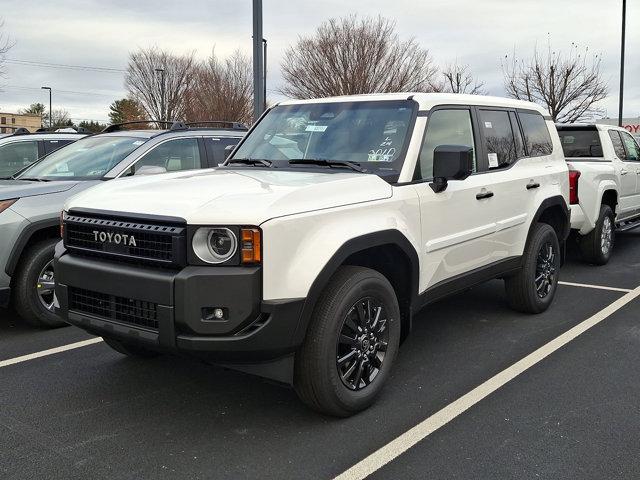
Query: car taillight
(574, 175)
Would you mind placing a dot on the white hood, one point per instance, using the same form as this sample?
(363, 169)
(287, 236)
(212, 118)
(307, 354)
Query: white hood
(242, 196)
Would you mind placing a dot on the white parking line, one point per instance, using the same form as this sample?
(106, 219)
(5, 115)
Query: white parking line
(404, 442)
(599, 287)
(51, 351)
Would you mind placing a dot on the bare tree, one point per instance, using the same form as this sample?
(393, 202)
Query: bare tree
(5, 46)
(159, 81)
(351, 56)
(458, 79)
(569, 85)
(222, 90)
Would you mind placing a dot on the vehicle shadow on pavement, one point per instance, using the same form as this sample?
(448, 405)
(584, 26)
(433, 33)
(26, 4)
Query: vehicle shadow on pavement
(192, 417)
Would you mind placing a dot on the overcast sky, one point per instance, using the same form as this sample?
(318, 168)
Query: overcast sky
(477, 32)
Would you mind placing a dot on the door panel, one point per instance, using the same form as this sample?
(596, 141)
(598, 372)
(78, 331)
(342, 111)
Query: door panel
(458, 229)
(632, 165)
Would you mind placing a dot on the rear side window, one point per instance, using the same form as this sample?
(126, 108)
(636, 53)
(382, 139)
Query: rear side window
(498, 138)
(53, 145)
(580, 143)
(618, 146)
(216, 147)
(536, 134)
(630, 145)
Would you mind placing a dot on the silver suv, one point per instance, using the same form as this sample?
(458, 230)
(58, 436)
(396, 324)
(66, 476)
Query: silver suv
(22, 148)
(31, 201)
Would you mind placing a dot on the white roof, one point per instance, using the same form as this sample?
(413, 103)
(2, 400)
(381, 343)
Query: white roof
(426, 101)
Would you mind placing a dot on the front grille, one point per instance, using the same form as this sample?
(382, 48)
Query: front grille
(112, 307)
(127, 240)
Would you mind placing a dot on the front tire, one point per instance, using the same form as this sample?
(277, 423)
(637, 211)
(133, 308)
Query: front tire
(34, 286)
(597, 245)
(532, 289)
(351, 343)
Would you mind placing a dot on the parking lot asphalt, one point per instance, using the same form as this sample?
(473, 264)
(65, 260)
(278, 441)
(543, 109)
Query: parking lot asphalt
(91, 413)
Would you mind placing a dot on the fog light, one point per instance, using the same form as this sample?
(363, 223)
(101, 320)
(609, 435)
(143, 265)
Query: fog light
(214, 313)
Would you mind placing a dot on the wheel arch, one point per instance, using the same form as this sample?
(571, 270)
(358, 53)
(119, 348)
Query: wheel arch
(554, 212)
(388, 252)
(34, 232)
(610, 197)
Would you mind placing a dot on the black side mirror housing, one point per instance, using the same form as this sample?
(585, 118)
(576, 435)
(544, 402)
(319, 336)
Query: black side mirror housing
(228, 149)
(451, 162)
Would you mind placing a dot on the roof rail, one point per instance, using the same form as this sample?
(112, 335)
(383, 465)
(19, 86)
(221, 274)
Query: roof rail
(115, 127)
(21, 131)
(222, 123)
(55, 129)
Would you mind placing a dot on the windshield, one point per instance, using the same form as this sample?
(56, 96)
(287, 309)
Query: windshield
(580, 143)
(373, 133)
(88, 158)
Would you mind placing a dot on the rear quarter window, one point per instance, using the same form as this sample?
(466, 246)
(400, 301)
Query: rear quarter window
(580, 143)
(536, 134)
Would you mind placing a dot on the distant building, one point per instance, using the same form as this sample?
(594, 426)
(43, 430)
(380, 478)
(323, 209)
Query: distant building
(9, 122)
(631, 124)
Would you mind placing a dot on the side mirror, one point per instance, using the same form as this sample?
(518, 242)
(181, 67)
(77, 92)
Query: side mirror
(228, 149)
(450, 162)
(150, 170)
(595, 151)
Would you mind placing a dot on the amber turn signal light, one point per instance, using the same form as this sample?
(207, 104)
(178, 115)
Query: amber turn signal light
(251, 246)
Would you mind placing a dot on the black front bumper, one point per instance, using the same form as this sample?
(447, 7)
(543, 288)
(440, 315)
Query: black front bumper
(252, 331)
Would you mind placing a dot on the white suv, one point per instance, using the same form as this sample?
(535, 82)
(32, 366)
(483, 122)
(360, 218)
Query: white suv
(304, 257)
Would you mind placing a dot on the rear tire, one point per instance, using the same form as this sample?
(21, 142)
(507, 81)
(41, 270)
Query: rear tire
(351, 343)
(532, 289)
(33, 286)
(597, 245)
(130, 350)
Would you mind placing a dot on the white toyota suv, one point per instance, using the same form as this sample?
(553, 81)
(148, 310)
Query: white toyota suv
(304, 257)
(604, 183)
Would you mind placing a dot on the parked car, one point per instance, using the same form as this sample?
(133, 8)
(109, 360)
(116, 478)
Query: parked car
(22, 148)
(30, 204)
(305, 256)
(604, 174)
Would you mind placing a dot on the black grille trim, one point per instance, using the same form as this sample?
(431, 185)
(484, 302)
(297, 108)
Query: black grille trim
(155, 244)
(112, 307)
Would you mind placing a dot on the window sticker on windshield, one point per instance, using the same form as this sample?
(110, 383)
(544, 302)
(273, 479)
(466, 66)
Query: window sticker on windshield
(493, 160)
(488, 125)
(316, 128)
(379, 157)
(137, 143)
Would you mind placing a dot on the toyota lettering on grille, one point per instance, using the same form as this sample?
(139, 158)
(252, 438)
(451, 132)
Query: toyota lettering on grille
(115, 238)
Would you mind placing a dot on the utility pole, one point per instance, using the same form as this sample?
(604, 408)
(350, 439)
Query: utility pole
(258, 61)
(264, 76)
(162, 106)
(624, 21)
(50, 111)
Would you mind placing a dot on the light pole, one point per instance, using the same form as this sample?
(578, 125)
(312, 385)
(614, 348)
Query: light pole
(624, 18)
(258, 61)
(162, 112)
(50, 112)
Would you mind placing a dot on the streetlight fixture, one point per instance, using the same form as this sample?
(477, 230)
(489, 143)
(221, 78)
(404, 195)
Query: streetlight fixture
(162, 112)
(50, 111)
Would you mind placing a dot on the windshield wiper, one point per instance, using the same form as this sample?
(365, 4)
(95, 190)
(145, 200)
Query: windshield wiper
(250, 161)
(33, 179)
(328, 163)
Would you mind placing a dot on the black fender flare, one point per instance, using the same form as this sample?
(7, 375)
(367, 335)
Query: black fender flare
(355, 245)
(23, 240)
(555, 201)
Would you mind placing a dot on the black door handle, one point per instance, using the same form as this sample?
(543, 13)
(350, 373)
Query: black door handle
(532, 185)
(482, 195)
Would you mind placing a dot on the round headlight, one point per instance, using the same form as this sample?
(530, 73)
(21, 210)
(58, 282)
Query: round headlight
(214, 245)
